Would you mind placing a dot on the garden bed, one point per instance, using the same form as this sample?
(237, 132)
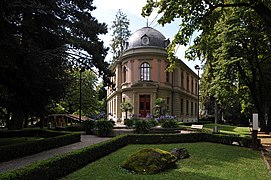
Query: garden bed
(46, 140)
(207, 161)
(60, 166)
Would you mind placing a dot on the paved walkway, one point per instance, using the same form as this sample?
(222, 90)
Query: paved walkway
(86, 140)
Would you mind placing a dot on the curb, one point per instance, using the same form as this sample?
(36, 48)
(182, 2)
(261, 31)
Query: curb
(265, 161)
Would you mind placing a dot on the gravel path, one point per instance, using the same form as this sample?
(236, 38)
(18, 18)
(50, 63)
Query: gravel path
(86, 140)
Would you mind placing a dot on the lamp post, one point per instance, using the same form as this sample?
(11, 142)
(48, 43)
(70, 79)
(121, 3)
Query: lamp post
(80, 92)
(198, 68)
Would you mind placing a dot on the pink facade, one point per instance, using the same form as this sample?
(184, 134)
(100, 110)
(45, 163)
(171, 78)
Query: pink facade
(141, 77)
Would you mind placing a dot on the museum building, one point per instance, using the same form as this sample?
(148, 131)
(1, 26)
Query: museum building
(141, 77)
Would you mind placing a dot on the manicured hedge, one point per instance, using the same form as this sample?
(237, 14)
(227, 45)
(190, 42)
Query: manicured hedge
(53, 140)
(60, 166)
(29, 133)
(164, 138)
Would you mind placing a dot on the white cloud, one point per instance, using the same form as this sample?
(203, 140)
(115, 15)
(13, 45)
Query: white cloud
(131, 6)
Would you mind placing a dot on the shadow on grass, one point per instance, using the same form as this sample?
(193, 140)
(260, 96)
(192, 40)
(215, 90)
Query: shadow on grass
(207, 161)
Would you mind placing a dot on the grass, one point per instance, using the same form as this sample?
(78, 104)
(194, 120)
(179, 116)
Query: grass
(208, 161)
(242, 131)
(16, 140)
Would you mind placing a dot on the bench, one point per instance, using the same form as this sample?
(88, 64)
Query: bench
(196, 127)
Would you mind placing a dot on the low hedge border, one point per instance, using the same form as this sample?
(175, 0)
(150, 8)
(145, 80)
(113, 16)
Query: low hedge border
(64, 164)
(53, 140)
(60, 166)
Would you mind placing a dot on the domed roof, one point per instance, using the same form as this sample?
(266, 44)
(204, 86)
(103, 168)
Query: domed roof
(147, 36)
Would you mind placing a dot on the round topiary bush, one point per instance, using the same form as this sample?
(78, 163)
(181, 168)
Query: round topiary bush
(150, 161)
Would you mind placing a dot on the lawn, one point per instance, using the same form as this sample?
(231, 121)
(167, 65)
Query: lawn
(242, 131)
(208, 161)
(16, 140)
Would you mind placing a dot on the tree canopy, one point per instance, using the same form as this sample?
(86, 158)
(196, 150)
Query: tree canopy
(121, 33)
(39, 42)
(233, 39)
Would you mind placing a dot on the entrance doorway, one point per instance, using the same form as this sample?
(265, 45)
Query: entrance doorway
(144, 105)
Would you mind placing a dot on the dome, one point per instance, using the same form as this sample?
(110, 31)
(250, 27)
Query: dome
(147, 36)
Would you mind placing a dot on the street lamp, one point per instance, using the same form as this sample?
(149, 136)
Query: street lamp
(198, 68)
(80, 92)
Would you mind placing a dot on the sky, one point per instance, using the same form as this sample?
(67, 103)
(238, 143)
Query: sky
(105, 13)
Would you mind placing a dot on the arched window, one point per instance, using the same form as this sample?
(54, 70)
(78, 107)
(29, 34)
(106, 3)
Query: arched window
(124, 69)
(145, 71)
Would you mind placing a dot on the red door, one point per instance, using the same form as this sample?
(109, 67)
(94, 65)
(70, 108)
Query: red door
(144, 105)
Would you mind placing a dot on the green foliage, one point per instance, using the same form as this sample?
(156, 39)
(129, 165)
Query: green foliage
(59, 166)
(142, 126)
(126, 106)
(160, 104)
(16, 140)
(90, 104)
(62, 165)
(233, 38)
(170, 123)
(129, 122)
(152, 122)
(51, 140)
(104, 127)
(207, 161)
(121, 33)
(37, 53)
(89, 126)
(149, 161)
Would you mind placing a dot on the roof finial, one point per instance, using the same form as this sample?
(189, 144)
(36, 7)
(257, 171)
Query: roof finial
(147, 23)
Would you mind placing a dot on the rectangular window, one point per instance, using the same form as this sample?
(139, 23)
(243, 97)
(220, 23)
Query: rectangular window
(196, 87)
(181, 106)
(187, 82)
(192, 85)
(182, 79)
(168, 101)
(196, 108)
(167, 76)
(187, 107)
(192, 108)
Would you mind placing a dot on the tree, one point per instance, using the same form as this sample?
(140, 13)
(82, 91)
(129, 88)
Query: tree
(160, 103)
(200, 16)
(237, 52)
(121, 33)
(39, 42)
(125, 107)
(69, 103)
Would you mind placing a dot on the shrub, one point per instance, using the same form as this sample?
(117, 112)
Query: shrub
(129, 123)
(142, 126)
(89, 126)
(60, 166)
(170, 123)
(19, 150)
(161, 119)
(153, 122)
(149, 161)
(104, 127)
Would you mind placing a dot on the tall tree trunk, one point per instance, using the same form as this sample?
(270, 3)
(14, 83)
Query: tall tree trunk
(26, 121)
(17, 118)
(264, 12)
(216, 112)
(42, 118)
(268, 127)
